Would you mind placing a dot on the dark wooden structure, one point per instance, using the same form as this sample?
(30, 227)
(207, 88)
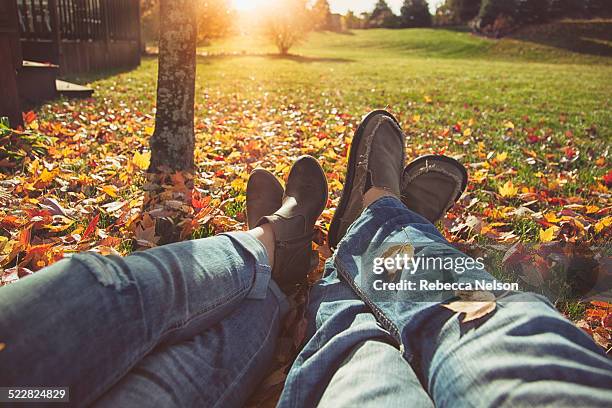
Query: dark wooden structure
(42, 39)
(10, 62)
(81, 35)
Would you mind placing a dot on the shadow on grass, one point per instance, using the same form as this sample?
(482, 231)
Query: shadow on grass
(302, 59)
(85, 78)
(592, 37)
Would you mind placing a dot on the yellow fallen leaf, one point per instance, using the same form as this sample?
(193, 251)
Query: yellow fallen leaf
(547, 235)
(551, 217)
(501, 157)
(508, 125)
(603, 223)
(110, 190)
(239, 184)
(142, 160)
(46, 176)
(149, 130)
(474, 304)
(508, 190)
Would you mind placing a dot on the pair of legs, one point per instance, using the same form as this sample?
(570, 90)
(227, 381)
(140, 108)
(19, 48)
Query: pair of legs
(195, 323)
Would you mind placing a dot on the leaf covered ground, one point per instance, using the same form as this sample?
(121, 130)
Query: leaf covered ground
(533, 128)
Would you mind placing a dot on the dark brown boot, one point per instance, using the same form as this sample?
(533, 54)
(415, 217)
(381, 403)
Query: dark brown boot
(264, 196)
(376, 159)
(432, 184)
(293, 223)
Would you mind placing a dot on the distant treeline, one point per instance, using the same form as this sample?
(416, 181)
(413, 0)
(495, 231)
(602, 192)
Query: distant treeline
(491, 17)
(217, 19)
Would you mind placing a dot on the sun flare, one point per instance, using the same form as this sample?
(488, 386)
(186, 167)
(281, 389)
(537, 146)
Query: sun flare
(247, 5)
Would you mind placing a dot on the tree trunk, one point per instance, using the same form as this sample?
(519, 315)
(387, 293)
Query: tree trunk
(172, 143)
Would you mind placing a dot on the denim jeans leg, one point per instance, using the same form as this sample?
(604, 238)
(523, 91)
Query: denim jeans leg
(341, 334)
(524, 353)
(220, 367)
(85, 321)
(374, 375)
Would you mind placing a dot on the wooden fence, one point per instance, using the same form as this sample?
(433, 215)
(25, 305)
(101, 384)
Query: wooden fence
(81, 35)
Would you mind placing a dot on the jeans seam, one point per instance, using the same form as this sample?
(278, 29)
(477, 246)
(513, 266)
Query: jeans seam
(206, 310)
(249, 362)
(376, 311)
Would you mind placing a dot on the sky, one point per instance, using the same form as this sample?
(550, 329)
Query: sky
(339, 6)
(359, 6)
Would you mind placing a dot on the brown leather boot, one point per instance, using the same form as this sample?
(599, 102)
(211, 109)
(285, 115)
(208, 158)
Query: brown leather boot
(264, 196)
(293, 223)
(432, 184)
(376, 159)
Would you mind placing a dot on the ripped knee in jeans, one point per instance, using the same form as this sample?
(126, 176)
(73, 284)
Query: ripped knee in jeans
(109, 271)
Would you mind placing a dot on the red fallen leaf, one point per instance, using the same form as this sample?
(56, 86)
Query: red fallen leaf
(607, 178)
(91, 227)
(457, 128)
(29, 117)
(531, 138)
(11, 222)
(599, 303)
(596, 313)
(607, 321)
(198, 202)
(570, 152)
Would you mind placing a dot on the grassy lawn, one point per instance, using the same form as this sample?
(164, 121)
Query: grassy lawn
(531, 120)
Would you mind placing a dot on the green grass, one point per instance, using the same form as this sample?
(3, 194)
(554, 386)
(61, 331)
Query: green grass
(534, 80)
(552, 80)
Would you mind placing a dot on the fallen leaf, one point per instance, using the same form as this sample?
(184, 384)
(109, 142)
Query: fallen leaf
(142, 160)
(91, 227)
(547, 235)
(508, 190)
(475, 304)
(402, 250)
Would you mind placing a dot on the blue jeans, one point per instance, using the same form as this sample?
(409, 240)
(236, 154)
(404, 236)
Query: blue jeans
(195, 324)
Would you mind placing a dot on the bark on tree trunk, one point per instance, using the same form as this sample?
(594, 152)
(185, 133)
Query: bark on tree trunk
(172, 143)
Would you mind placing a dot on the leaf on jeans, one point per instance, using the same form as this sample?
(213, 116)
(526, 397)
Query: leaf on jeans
(397, 250)
(475, 304)
(2, 346)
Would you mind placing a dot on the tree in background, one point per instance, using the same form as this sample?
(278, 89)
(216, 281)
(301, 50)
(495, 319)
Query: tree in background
(531, 11)
(287, 23)
(382, 16)
(415, 13)
(598, 8)
(444, 16)
(566, 8)
(351, 21)
(464, 10)
(321, 15)
(215, 19)
(172, 143)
